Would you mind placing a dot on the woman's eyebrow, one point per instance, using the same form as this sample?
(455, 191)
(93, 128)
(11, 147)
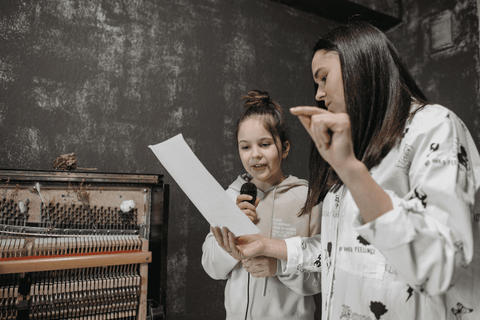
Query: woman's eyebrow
(315, 76)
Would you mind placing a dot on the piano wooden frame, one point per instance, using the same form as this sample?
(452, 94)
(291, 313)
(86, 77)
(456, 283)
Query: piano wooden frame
(153, 232)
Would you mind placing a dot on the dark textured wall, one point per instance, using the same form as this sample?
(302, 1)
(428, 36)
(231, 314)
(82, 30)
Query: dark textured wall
(449, 77)
(392, 8)
(107, 78)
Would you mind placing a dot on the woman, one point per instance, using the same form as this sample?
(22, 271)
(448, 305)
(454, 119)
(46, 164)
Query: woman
(397, 177)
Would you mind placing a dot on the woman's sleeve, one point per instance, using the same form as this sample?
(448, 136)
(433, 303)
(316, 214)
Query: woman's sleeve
(216, 262)
(304, 255)
(428, 236)
(302, 280)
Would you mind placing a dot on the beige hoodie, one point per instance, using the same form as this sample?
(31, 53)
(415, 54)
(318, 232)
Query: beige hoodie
(276, 297)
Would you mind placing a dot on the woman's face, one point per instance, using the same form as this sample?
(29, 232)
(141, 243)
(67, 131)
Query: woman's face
(327, 73)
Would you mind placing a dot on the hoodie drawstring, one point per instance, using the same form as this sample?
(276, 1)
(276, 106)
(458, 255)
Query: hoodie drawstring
(264, 291)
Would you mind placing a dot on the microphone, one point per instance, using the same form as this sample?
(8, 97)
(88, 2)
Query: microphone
(250, 189)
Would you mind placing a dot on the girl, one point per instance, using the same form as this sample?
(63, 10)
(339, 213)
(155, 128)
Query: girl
(263, 144)
(398, 178)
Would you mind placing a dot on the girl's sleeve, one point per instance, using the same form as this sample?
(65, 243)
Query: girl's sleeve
(305, 281)
(216, 262)
(428, 236)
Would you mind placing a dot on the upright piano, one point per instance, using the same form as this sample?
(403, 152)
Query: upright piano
(82, 245)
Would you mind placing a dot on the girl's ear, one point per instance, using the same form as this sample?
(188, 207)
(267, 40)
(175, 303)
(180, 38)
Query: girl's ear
(286, 149)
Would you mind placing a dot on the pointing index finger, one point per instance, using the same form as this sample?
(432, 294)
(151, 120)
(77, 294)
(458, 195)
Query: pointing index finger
(307, 111)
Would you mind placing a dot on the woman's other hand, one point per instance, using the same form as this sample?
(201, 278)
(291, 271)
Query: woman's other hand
(260, 267)
(241, 248)
(223, 239)
(250, 245)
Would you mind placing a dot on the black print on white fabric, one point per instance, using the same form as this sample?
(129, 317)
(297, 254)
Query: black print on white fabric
(460, 310)
(421, 196)
(328, 256)
(404, 162)
(390, 269)
(463, 158)
(304, 245)
(301, 269)
(363, 241)
(318, 262)
(410, 293)
(348, 314)
(378, 309)
(434, 147)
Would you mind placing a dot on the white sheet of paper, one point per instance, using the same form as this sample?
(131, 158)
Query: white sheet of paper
(201, 187)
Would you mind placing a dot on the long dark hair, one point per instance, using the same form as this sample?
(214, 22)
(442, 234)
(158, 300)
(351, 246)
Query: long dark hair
(259, 104)
(378, 90)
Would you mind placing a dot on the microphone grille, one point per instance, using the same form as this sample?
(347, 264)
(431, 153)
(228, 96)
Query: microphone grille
(248, 188)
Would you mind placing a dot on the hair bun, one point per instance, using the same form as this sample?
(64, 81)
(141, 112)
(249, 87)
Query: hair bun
(256, 96)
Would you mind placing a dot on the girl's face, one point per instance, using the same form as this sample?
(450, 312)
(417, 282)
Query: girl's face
(327, 73)
(259, 154)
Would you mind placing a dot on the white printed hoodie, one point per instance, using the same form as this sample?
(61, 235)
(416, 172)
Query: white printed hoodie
(419, 261)
(276, 297)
